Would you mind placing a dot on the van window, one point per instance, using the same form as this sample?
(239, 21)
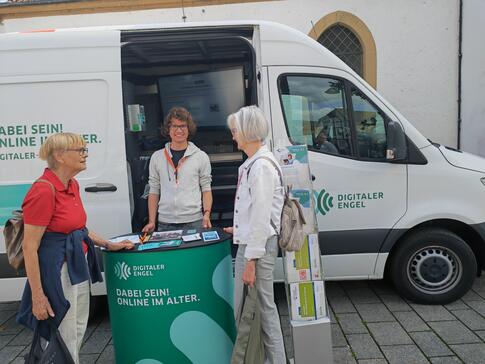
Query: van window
(316, 113)
(370, 125)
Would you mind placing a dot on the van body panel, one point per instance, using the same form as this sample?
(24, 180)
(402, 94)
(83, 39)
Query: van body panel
(463, 159)
(59, 53)
(52, 87)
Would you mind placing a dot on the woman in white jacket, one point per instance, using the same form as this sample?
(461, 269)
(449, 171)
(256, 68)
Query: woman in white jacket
(257, 214)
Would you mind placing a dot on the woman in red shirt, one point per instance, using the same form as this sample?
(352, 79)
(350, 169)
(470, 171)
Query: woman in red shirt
(58, 249)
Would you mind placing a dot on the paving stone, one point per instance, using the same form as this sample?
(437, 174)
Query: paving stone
(404, 354)
(445, 360)
(18, 360)
(471, 319)
(364, 347)
(107, 356)
(351, 323)
(372, 361)
(374, 312)
(478, 306)
(10, 306)
(456, 305)
(333, 320)
(481, 334)
(88, 358)
(471, 296)
(363, 295)
(343, 356)
(470, 353)
(10, 327)
(23, 338)
(389, 333)
(395, 303)
(5, 339)
(382, 288)
(5, 317)
(8, 353)
(454, 332)
(96, 343)
(432, 312)
(338, 338)
(333, 289)
(341, 304)
(411, 321)
(479, 286)
(430, 344)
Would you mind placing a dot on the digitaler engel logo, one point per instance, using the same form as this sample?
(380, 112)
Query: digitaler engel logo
(324, 202)
(122, 271)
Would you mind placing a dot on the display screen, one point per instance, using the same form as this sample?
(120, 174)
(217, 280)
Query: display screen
(210, 96)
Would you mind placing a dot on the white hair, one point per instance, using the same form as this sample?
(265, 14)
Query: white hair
(249, 123)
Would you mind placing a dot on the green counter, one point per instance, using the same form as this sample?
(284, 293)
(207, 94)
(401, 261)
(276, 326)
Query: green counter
(173, 305)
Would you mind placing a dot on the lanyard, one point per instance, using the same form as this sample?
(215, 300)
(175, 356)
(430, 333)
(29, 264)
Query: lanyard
(170, 162)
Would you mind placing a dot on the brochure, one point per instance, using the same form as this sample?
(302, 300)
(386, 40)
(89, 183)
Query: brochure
(160, 244)
(166, 235)
(191, 237)
(210, 235)
(135, 239)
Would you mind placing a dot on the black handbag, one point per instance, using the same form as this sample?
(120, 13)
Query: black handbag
(56, 351)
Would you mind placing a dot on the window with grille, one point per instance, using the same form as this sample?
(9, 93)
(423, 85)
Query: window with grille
(342, 42)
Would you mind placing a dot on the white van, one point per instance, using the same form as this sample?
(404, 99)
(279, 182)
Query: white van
(388, 200)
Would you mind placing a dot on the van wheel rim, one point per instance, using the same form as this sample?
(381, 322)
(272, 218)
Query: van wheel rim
(434, 270)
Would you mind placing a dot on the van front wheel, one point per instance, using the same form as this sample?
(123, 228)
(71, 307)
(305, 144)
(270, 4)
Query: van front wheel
(433, 266)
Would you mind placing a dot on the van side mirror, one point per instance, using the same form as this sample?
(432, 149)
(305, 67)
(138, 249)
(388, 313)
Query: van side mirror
(396, 142)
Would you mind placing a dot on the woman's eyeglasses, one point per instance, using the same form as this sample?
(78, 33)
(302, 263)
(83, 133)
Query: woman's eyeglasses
(180, 127)
(81, 151)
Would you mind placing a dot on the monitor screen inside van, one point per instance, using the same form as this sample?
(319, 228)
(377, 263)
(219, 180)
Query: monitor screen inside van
(209, 96)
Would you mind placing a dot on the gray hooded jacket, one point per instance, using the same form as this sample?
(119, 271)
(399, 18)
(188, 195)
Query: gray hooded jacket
(181, 192)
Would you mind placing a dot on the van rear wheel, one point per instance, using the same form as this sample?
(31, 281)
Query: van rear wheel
(433, 266)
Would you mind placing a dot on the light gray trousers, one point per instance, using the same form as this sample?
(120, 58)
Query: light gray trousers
(73, 326)
(270, 322)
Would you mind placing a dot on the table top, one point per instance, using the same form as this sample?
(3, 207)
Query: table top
(174, 241)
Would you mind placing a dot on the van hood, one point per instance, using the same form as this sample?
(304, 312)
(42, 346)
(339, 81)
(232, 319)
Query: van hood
(462, 159)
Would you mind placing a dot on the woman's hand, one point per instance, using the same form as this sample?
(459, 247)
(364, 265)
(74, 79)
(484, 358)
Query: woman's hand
(125, 244)
(229, 230)
(41, 307)
(148, 228)
(249, 274)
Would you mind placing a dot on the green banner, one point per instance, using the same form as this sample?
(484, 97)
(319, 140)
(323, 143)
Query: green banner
(173, 306)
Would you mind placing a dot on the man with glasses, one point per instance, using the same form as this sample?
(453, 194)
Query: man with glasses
(180, 178)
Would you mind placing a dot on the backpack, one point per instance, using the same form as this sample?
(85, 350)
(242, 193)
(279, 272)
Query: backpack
(13, 233)
(291, 235)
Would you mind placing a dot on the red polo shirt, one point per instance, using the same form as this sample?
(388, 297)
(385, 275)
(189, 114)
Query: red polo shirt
(62, 216)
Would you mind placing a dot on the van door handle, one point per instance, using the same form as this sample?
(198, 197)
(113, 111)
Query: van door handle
(101, 187)
(313, 177)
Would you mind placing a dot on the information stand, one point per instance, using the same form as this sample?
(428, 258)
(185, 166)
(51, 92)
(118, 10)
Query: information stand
(304, 276)
(173, 304)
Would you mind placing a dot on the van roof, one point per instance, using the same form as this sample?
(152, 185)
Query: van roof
(280, 44)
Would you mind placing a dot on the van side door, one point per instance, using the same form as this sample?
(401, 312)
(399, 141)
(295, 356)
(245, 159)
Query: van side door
(359, 196)
(63, 81)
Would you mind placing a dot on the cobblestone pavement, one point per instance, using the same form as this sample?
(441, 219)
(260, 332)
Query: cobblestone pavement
(371, 324)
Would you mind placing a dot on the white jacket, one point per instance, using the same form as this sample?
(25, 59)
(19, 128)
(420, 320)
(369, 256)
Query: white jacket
(181, 195)
(259, 200)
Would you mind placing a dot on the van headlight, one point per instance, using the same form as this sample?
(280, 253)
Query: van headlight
(482, 180)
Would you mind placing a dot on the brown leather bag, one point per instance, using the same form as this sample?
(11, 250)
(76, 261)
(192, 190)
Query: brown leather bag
(13, 233)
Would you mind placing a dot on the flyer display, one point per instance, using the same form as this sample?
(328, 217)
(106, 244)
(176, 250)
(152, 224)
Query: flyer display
(304, 275)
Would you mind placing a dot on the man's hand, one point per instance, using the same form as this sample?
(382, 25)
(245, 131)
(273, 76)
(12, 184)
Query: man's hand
(148, 228)
(249, 274)
(41, 307)
(206, 221)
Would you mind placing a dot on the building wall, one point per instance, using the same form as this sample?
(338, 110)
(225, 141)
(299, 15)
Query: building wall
(473, 77)
(416, 42)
